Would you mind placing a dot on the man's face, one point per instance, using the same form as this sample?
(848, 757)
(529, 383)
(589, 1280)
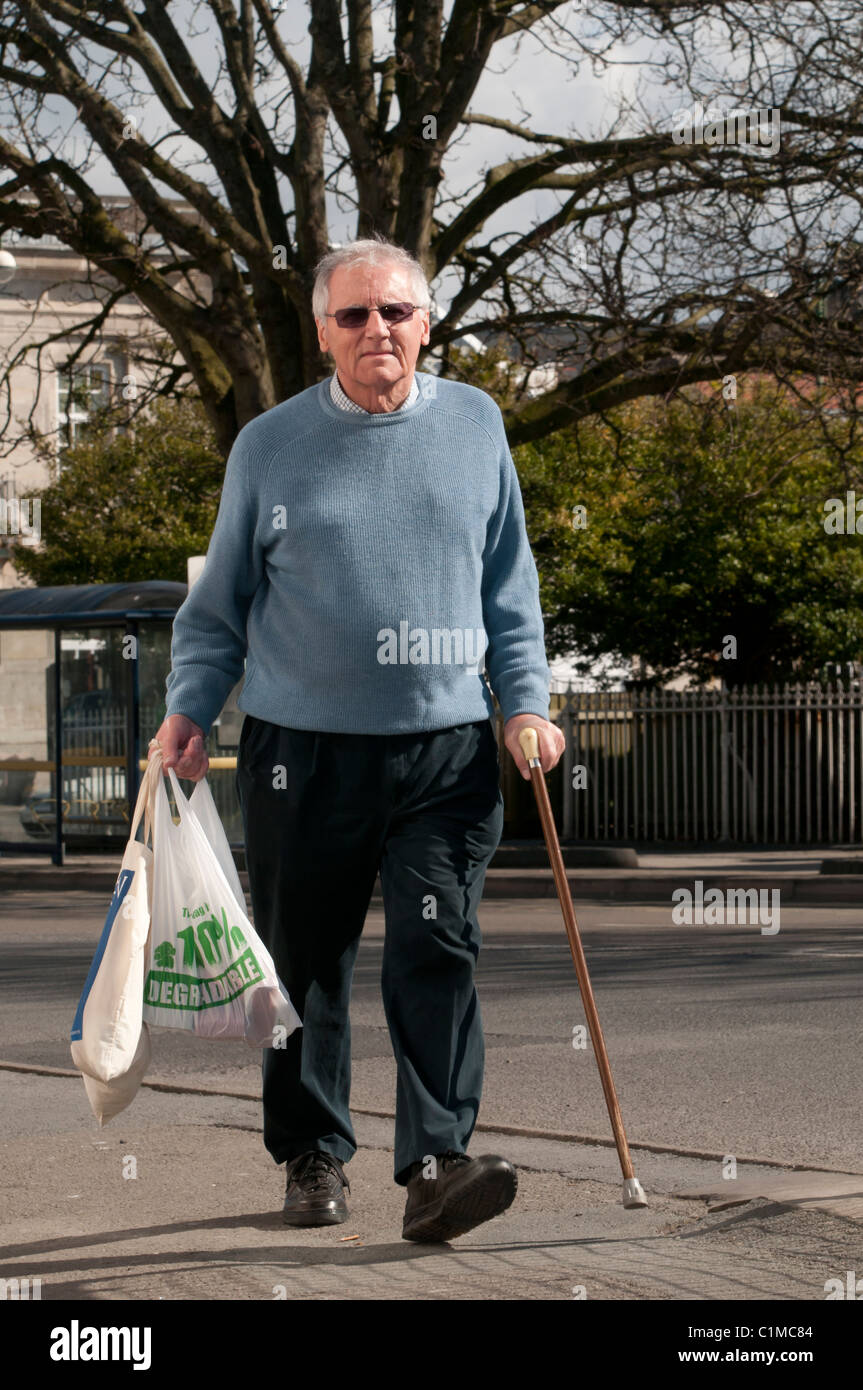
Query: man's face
(377, 361)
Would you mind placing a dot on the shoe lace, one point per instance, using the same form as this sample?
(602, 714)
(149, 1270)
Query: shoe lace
(452, 1158)
(317, 1167)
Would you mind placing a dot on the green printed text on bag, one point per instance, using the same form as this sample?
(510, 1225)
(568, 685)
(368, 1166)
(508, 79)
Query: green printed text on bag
(207, 942)
(171, 991)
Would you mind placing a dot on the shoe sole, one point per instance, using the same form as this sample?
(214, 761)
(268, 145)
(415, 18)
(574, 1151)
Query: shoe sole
(455, 1213)
(332, 1216)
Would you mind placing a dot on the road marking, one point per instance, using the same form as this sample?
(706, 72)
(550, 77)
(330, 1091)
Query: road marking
(819, 951)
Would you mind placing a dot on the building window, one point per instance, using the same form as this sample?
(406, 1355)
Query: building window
(81, 392)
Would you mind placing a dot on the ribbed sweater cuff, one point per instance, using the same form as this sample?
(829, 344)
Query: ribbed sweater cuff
(194, 695)
(523, 692)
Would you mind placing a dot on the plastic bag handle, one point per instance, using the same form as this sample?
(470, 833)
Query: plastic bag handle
(179, 795)
(187, 814)
(185, 810)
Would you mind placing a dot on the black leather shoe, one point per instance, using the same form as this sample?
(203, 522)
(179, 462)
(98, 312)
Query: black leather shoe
(464, 1193)
(315, 1190)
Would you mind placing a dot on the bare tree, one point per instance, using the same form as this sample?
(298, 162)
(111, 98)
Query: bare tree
(665, 257)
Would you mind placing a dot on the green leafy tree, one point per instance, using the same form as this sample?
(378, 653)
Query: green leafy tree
(703, 520)
(129, 505)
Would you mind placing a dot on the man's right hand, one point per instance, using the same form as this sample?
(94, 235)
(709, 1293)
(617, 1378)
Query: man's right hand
(182, 743)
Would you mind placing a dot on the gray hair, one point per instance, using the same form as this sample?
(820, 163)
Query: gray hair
(374, 250)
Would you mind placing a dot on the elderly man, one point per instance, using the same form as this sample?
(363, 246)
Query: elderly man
(369, 560)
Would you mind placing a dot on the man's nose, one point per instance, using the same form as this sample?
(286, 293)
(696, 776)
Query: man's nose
(377, 325)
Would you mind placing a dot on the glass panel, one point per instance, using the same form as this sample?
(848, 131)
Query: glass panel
(154, 648)
(94, 693)
(154, 663)
(94, 683)
(27, 792)
(222, 743)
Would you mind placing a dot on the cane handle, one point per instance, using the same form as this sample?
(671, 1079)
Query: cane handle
(529, 742)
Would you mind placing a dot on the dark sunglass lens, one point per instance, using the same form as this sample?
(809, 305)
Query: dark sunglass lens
(357, 317)
(396, 313)
(351, 318)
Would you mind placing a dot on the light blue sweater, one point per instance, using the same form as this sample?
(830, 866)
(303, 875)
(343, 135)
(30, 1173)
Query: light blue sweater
(368, 566)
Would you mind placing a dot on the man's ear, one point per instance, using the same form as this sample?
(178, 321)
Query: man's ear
(322, 336)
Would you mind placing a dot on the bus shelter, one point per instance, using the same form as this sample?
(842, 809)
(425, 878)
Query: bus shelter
(82, 692)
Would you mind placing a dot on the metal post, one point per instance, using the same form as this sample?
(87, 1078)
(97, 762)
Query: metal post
(57, 855)
(852, 763)
(568, 763)
(133, 721)
(723, 766)
(653, 700)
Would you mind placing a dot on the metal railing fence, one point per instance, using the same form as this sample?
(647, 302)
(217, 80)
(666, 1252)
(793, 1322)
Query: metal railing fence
(755, 764)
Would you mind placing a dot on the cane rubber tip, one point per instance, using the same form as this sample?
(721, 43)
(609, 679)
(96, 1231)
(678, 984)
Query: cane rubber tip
(529, 743)
(633, 1193)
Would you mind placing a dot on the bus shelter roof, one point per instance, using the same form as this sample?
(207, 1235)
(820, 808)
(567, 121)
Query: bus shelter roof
(93, 604)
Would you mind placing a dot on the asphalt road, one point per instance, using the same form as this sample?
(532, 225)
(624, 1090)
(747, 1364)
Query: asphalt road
(721, 1039)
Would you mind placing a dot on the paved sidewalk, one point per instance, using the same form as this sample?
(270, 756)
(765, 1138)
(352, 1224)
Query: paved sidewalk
(177, 1199)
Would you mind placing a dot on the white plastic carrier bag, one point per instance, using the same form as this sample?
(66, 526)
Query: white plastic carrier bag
(110, 1043)
(207, 969)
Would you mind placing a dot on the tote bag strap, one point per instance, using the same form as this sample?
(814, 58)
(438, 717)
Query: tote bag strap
(146, 797)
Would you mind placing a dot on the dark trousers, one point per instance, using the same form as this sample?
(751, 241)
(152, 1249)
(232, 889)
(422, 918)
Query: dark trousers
(323, 813)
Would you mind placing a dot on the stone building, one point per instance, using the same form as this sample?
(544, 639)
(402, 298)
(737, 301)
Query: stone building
(70, 342)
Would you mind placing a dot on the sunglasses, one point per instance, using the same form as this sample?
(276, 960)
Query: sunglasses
(357, 317)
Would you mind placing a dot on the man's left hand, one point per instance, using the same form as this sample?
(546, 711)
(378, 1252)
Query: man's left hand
(549, 736)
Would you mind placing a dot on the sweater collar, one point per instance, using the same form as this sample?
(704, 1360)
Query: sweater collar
(341, 399)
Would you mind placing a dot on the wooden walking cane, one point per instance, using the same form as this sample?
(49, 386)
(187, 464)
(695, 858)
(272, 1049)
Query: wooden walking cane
(633, 1192)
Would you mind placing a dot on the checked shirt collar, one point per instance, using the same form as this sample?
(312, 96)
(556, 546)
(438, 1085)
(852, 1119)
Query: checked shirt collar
(344, 402)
